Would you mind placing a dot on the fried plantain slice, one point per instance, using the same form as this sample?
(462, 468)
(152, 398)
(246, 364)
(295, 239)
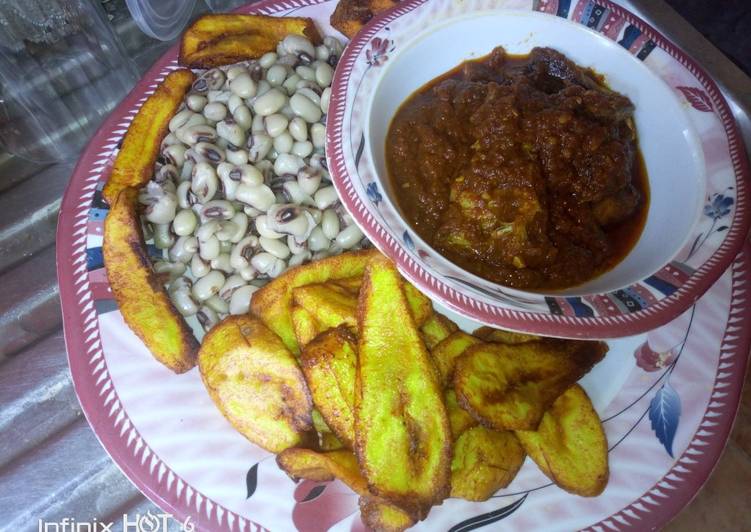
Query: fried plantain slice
(447, 351)
(327, 441)
(222, 39)
(484, 461)
(351, 15)
(342, 465)
(570, 446)
(134, 164)
(305, 326)
(509, 387)
(329, 364)
(419, 304)
(273, 303)
(256, 383)
(332, 305)
(459, 419)
(402, 434)
(328, 304)
(437, 328)
(142, 299)
(381, 516)
(489, 334)
(350, 284)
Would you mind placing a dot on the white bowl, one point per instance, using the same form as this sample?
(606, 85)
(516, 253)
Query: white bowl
(663, 273)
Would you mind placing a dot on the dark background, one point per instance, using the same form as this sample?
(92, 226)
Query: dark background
(727, 23)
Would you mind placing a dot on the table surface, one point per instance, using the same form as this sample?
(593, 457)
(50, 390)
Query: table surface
(51, 464)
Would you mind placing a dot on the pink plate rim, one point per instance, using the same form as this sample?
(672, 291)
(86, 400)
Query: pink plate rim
(603, 327)
(88, 365)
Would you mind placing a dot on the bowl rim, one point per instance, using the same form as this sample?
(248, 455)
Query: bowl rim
(514, 315)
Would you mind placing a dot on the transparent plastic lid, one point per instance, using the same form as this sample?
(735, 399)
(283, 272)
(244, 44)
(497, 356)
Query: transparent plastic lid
(161, 19)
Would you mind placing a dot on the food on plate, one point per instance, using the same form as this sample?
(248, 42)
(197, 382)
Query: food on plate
(329, 364)
(447, 351)
(570, 446)
(351, 15)
(524, 170)
(459, 419)
(484, 461)
(509, 387)
(328, 304)
(240, 190)
(256, 383)
(382, 516)
(273, 302)
(222, 39)
(143, 301)
(437, 328)
(304, 325)
(134, 163)
(402, 434)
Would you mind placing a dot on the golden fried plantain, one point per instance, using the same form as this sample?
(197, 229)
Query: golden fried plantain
(402, 434)
(305, 325)
(256, 383)
(342, 465)
(570, 446)
(437, 328)
(459, 419)
(329, 364)
(489, 334)
(379, 515)
(222, 39)
(327, 441)
(134, 164)
(419, 304)
(448, 350)
(351, 15)
(350, 284)
(328, 304)
(142, 299)
(509, 387)
(484, 461)
(273, 302)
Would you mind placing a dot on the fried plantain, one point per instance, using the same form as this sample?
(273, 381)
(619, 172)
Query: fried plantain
(509, 387)
(328, 304)
(402, 433)
(139, 293)
(350, 284)
(381, 516)
(459, 419)
(489, 334)
(484, 461)
(351, 15)
(273, 303)
(134, 164)
(570, 446)
(305, 326)
(329, 364)
(447, 351)
(222, 39)
(419, 304)
(256, 383)
(437, 328)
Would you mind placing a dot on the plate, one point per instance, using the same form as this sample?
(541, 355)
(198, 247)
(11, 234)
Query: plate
(667, 398)
(698, 145)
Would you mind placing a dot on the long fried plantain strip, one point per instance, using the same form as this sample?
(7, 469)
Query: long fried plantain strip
(142, 299)
(256, 383)
(509, 387)
(273, 302)
(134, 164)
(329, 363)
(221, 39)
(402, 433)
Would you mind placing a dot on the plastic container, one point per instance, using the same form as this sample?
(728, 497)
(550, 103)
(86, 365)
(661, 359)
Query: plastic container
(161, 19)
